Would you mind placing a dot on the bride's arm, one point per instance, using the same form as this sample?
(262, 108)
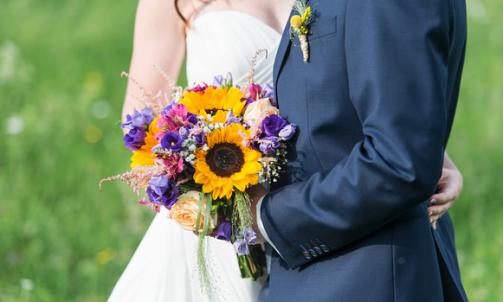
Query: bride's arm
(159, 38)
(448, 190)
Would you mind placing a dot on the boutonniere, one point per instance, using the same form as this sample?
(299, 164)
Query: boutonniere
(299, 25)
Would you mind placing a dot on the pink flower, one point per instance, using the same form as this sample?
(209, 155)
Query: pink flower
(174, 166)
(199, 88)
(255, 91)
(176, 118)
(159, 135)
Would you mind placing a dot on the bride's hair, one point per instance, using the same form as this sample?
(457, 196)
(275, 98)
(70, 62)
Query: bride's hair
(180, 13)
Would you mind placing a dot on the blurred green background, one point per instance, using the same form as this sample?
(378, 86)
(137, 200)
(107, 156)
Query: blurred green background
(60, 101)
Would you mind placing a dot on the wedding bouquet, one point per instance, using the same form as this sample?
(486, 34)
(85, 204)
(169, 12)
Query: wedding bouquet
(197, 155)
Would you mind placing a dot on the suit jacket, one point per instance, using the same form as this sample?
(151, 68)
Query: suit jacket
(373, 108)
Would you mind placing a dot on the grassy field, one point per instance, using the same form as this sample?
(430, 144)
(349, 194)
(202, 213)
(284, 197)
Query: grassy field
(60, 100)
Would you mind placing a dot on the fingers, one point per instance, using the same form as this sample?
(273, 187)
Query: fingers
(435, 212)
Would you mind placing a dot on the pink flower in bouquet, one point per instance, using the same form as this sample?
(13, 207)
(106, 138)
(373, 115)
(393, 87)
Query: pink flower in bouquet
(254, 110)
(184, 212)
(176, 118)
(254, 92)
(174, 165)
(199, 88)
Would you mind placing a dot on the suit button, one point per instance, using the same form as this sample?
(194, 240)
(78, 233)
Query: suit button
(307, 255)
(313, 253)
(325, 248)
(318, 250)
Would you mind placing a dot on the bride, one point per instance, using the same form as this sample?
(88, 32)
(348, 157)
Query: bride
(217, 37)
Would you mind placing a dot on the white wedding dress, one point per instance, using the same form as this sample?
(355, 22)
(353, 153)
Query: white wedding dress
(163, 266)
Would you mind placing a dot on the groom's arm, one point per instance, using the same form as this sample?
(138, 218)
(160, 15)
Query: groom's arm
(396, 52)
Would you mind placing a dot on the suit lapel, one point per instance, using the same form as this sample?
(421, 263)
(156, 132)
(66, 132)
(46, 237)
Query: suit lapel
(280, 56)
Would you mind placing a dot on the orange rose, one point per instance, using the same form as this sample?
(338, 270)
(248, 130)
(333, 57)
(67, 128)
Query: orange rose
(184, 212)
(254, 110)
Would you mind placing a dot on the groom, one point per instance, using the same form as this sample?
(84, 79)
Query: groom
(374, 107)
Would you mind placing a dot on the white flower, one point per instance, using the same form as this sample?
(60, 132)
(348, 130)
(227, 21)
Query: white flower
(192, 147)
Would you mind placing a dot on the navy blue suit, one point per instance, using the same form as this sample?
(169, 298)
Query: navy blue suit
(374, 108)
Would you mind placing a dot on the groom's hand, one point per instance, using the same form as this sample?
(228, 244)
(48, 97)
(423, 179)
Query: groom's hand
(256, 192)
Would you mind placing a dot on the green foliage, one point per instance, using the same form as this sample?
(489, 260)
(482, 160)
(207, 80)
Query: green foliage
(63, 240)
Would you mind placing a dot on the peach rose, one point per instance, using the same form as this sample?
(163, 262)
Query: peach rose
(256, 108)
(184, 212)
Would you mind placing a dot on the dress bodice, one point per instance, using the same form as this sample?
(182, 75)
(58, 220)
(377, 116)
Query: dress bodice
(226, 41)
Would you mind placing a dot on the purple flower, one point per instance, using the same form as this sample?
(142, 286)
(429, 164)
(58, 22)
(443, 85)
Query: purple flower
(200, 139)
(166, 109)
(241, 247)
(287, 132)
(172, 141)
(184, 132)
(231, 118)
(248, 101)
(192, 118)
(229, 80)
(134, 139)
(249, 235)
(161, 190)
(225, 231)
(269, 145)
(272, 125)
(269, 91)
(218, 81)
(139, 119)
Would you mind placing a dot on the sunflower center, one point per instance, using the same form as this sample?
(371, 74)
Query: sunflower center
(213, 112)
(225, 159)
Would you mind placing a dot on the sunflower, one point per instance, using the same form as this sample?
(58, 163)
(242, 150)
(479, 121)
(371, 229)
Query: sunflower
(143, 156)
(226, 164)
(214, 101)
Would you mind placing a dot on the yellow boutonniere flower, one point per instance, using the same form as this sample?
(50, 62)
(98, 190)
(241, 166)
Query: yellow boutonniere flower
(299, 25)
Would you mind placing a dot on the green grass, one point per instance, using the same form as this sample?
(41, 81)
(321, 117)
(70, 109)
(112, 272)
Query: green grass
(58, 59)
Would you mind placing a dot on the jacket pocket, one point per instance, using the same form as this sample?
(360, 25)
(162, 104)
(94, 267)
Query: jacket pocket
(322, 27)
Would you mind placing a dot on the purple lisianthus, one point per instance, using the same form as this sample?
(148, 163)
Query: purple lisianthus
(172, 141)
(139, 119)
(249, 235)
(218, 81)
(200, 139)
(269, 144)
(161, 190)
(229, 79)
(134, 139)
(268, 91)
(225, 231)
(192, 118)
(287, 132)
(241, 247)
(272, 125)
(248, 101)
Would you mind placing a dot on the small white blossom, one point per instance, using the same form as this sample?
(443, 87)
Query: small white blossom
(192, 147)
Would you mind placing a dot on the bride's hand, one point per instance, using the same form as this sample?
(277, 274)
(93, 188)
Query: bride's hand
(448, 190)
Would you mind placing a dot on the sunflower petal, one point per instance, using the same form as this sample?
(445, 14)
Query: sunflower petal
(250, 168)
(208, 187)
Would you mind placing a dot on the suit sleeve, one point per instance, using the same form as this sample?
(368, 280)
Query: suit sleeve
(396, 54)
